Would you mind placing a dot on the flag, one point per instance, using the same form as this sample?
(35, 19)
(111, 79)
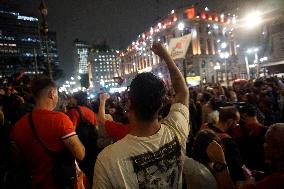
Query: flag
(178, 46)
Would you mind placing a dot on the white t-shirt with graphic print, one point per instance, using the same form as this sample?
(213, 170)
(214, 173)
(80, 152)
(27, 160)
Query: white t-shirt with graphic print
(146, 162)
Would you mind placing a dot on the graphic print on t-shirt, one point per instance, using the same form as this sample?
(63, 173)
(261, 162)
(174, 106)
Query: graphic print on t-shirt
(160, 169)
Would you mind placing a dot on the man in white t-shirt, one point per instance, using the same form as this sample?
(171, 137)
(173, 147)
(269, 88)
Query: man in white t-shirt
(151, 155)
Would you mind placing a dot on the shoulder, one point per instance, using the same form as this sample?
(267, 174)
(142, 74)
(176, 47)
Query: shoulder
(114, 151)
(179, 108)
(179, 113)
(19, 125)
(61, 116)
(86, 109)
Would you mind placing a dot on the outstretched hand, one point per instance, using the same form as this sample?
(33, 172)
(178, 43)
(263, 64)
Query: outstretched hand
(104, 96)
(159, 50)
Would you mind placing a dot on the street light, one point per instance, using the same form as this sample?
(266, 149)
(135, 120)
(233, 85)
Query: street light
(253, 19)
(44, 11)
(72, 78)
(225, 55)
(180, 26)
(249, 51)
(223, 45)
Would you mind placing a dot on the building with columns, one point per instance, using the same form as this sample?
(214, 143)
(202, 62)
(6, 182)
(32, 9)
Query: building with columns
(212, 50)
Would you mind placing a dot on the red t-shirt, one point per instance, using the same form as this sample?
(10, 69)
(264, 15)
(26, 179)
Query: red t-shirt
(117, 130)
(253, 129)
(273, 181)
(87, 113)
(52, 128)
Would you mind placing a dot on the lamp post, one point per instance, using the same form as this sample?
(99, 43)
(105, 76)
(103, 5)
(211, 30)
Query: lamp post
(44, 11)
(225, 56)
(256, 62)
(181, 28)
(253, 21)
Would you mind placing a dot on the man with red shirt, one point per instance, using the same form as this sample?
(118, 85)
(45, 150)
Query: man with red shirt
(249, 137)
(54, 129)
(81, 102)
(114, 129)
(88, 115)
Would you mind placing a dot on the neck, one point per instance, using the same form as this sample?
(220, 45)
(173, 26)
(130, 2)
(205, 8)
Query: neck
(43, 105)
(222, 127)
(250, 120)
(144, 129)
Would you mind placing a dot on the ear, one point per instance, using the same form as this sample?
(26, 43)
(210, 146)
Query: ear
(49, 93)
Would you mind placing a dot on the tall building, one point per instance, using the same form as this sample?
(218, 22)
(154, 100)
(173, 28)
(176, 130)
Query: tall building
(52, 47)
(273, 35)
(260, 27)
(81, 53)
(212, 38)
(105, 68)
(22, 47)
(19, 40)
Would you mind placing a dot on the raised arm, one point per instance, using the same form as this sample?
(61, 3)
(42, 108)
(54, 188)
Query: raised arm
(101, 115)
(178, 82)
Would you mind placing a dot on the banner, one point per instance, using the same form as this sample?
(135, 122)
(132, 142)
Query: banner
(178, 46)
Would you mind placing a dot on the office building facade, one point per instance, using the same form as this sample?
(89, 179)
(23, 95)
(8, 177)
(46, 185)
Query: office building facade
(212, 51)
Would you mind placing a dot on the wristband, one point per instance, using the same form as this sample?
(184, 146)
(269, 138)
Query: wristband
(218, 166)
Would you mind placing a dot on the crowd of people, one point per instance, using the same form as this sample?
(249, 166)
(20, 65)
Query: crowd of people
(150, 136)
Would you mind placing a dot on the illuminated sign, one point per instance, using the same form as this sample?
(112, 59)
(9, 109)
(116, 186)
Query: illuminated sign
(26, 18)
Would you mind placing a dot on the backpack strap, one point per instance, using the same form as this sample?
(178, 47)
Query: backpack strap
(32, 126)
(50, 153)
(83, 120)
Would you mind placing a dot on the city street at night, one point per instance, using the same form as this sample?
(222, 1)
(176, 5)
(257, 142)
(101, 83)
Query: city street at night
(142, 94)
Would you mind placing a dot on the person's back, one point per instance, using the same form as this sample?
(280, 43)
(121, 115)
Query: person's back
(229, 118)
(54, 130)
(151, 156)
(250, 138)
(51, 128)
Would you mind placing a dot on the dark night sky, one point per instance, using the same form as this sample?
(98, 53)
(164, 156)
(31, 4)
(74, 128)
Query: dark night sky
(117, 21)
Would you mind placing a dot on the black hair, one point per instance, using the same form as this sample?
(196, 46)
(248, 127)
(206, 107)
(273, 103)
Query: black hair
(146, 95)
(81, 98)
(249, 110)
(38, 85)
(227, 113)
(206, 96)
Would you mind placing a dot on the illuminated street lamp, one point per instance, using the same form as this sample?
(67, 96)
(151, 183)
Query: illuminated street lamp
(180, 26)
(253, 19)
(225, 56)
(223, 45)
(44, 11)
(250, 51)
